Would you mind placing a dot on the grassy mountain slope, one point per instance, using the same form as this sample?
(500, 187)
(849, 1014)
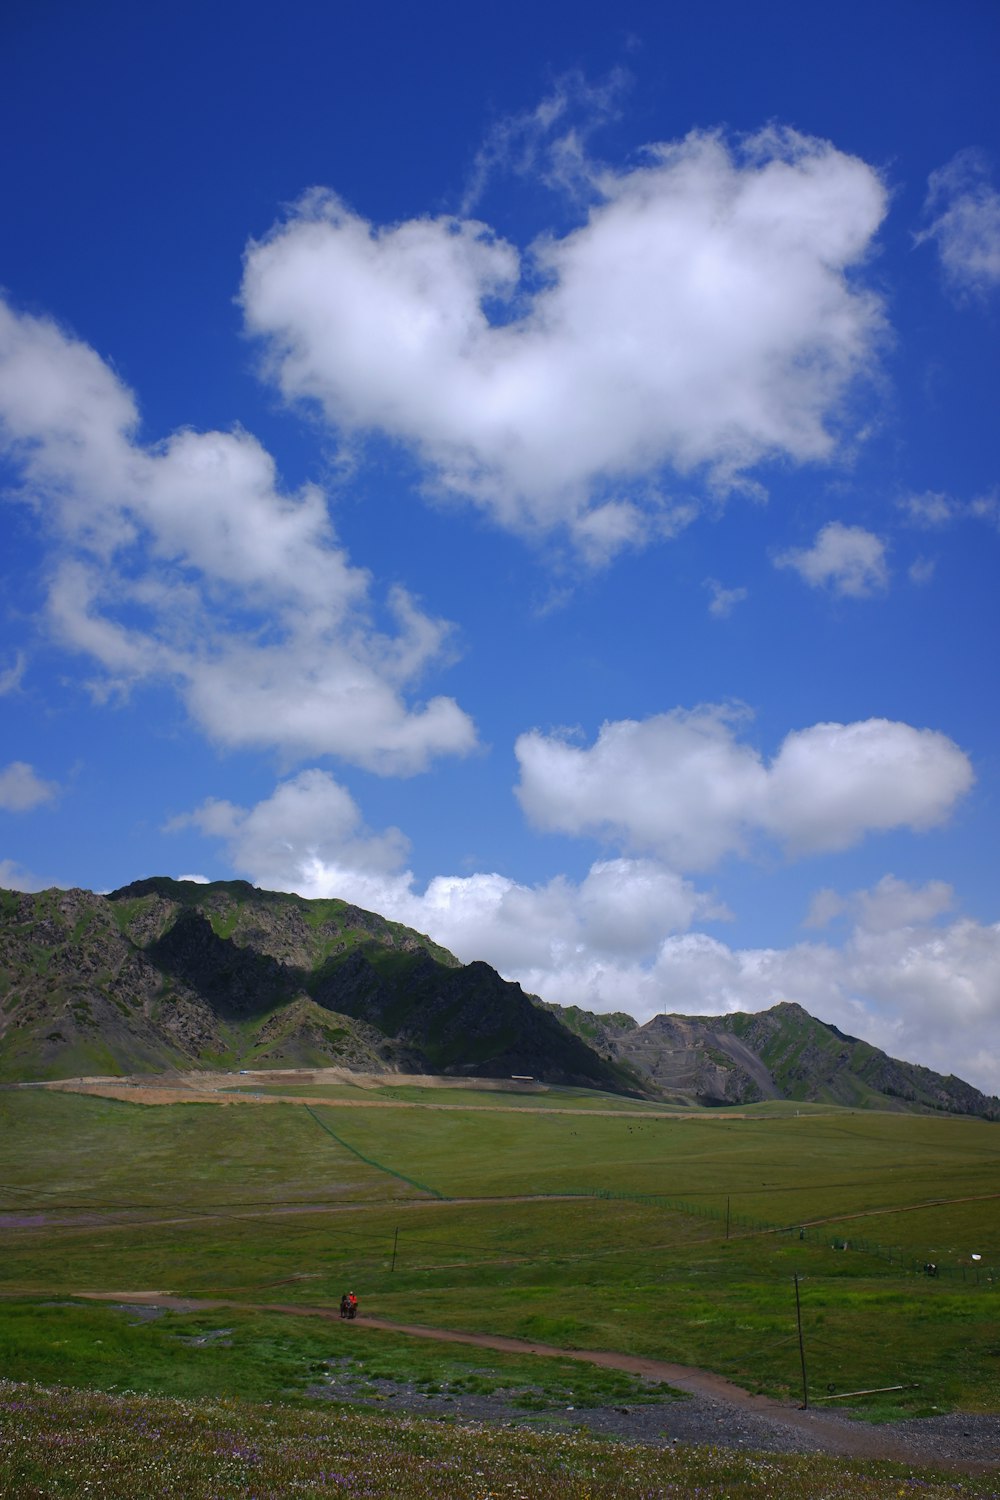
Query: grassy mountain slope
(811, 1059)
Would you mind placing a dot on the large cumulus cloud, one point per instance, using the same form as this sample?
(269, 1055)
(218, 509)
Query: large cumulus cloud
(705, 315)
(685, 786)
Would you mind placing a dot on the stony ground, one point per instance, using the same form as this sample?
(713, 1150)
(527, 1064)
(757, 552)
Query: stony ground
(958, 1441)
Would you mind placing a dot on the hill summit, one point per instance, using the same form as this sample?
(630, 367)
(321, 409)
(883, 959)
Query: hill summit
(166, 974)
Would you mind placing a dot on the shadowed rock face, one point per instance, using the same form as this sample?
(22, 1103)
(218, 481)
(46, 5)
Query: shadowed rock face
(230, 978)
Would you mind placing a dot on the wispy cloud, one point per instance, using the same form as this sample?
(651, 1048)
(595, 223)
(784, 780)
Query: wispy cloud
(10, 678)
(723, 600)
(22, 789)
(550, 142)
(933, 510)
(964, 209)
(14, 877)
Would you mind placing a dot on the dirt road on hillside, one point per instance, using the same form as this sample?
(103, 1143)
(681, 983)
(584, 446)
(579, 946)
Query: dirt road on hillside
(719, 1413)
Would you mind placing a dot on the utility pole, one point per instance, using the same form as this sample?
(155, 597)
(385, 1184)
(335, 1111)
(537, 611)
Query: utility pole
(395, 1240)
(727, 1218)
(802, 1347)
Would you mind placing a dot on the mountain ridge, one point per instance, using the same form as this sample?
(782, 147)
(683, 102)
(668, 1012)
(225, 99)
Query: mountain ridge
(781, 1053)
(164, 975)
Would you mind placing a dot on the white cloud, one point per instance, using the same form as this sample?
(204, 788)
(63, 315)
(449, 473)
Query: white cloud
(933, 510)
(889, 906)
(617, 913)
(677, 784)
(964, 209)
(21, 789)
(921, 570)
(608, 529)
(832, 783)
(929, 510)
(824, 907)
(187, 561)
(14, 877)
(308, 825)
(846, 559)
(723, 600)
(894, 904)
(684, 787)
(10, 679)
(309, 837)
(702, 317)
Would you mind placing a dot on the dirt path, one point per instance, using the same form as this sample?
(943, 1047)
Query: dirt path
(131, 1218)
(901, 1208)
(963, 1443)
(144, 1093)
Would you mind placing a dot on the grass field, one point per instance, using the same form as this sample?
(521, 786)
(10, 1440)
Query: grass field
(480, 1218)
(226, 1450)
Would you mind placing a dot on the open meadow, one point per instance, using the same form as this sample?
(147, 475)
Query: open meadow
(554, 1217)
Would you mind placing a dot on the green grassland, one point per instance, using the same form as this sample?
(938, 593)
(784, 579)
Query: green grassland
(260, 1356)
(70, 1151)
(481, 1218)
(783, 1168)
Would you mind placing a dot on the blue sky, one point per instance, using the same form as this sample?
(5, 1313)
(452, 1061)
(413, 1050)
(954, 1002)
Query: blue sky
(531, 471)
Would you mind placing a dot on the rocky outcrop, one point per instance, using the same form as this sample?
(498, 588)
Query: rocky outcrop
(785, 1053)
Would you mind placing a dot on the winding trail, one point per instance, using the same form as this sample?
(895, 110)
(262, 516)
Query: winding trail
(826, 1431)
